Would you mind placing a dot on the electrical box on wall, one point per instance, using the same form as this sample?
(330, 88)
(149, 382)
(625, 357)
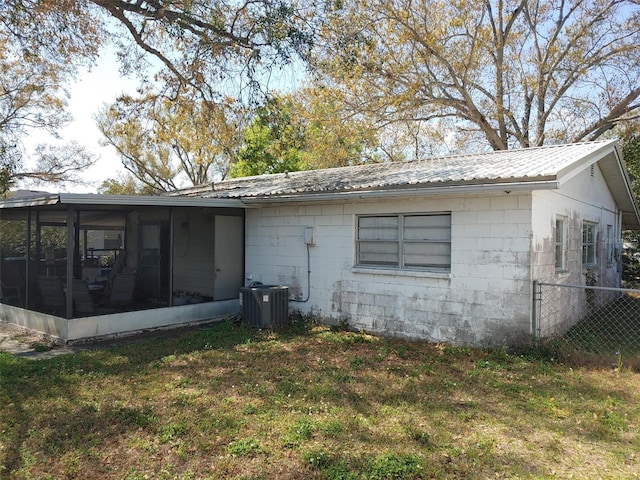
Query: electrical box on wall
(310, 235)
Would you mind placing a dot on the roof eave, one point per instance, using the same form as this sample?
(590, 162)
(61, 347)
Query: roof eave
(30, 201)
(91, 199)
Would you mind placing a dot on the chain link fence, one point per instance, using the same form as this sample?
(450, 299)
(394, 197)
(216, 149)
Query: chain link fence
(588, 324)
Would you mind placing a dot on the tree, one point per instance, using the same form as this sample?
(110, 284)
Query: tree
(333, 136)
(272, 142)
(630, 144)
(41, 44)
(123, 185)
(301, 131)
(32, 97)
(200, 45)
(501, 73)
(165, 142)
(53, 164)
(58, 163)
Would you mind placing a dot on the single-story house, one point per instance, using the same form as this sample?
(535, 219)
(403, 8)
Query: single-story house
(443, 249)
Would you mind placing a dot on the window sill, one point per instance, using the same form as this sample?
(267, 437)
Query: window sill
(402, 273)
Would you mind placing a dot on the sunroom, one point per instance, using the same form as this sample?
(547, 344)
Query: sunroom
(79, 266)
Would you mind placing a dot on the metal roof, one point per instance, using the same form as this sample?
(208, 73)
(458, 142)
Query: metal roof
(524, 165)
(530, 168)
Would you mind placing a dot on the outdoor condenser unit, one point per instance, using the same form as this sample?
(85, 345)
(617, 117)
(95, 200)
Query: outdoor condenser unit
(265, 306)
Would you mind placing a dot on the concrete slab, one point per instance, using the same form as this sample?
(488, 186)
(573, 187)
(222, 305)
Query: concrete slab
(24, 343)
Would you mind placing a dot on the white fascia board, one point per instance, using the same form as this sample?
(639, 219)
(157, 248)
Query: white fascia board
(147, 200)
(575, 168)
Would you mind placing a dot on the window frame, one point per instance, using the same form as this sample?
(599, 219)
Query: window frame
(562, 243)
(589, 255)
(610, 247)
(403, 244)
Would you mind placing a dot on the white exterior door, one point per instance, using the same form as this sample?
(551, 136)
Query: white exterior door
(229, 256)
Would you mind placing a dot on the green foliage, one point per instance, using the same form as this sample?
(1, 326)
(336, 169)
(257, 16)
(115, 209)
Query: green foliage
(318, 459)
(630, 143)
(173, 431)
(393, 466)
(125, 185)
(247, 447)
(273, 142)
(6, 179)
(301, 431)
(308, 130)
(12, 239)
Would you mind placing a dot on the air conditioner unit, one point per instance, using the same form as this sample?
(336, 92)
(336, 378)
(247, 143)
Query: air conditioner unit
(265, 306)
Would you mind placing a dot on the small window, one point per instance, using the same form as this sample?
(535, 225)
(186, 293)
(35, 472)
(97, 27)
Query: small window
(561, 244)
(588, 244)
(410, 241)
(610, 245)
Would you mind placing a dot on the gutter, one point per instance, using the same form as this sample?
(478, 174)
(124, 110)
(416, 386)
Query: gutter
(148, 200)
(83, 199)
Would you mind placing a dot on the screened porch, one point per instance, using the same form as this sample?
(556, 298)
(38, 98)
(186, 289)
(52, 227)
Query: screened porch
(64, 258)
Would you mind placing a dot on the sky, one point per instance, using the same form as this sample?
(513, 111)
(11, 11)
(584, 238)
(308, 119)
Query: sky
(100, 86)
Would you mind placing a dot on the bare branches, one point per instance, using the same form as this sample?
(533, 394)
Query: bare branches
(520, 73)
(167, 143)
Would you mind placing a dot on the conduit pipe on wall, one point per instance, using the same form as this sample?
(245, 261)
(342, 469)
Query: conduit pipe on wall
(308, 279)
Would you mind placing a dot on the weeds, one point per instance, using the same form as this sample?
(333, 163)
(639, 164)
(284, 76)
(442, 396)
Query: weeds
(234, 402)
(247, 447)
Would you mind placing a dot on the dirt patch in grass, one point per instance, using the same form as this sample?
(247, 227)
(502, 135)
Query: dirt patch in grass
(231, 402)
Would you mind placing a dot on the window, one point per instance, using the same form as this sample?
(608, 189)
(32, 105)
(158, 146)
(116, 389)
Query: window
(610, 245)
(588, 243)
(561, 244)
(405, 241)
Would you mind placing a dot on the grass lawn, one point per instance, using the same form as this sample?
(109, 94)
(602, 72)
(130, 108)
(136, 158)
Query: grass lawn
(230, 402)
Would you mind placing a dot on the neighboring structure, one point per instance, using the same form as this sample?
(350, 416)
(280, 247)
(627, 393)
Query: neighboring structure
(443, 249)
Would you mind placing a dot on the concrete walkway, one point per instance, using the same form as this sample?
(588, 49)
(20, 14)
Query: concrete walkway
(22, 343)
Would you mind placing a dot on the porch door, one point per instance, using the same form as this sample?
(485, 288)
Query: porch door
(228, 257)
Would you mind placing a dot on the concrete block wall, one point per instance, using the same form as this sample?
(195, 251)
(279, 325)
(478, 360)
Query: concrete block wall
(484, 300)
(585, 198)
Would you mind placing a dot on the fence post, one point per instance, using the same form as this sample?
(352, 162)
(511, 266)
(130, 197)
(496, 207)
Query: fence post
(535, 311)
